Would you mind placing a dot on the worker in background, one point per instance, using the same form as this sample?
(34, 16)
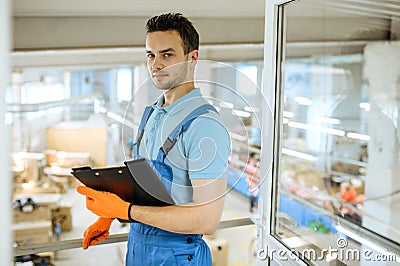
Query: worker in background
(349, 194)
(172, 235)
(252, 184)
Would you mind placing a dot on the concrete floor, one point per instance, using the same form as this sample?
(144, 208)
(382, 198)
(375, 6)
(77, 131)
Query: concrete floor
(239, 240)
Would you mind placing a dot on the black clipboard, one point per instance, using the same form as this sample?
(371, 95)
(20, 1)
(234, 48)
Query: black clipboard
(136, 182)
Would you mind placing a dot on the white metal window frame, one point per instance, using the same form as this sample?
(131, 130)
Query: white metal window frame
(273, 41)
(5, 174)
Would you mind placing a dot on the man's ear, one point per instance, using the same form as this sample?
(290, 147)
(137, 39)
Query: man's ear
(192, 59)
(194, 56)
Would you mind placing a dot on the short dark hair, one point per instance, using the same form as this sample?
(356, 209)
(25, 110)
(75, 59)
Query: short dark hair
(176, 21)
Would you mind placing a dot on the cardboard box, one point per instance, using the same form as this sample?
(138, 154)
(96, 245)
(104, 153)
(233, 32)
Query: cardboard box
(46, 188)
(62, 177)
(310, 179)
(83, 136)
(62, 214)
(18, 174)
(31, 163)
(66, 159)
(38, 214)
(219, 251)
(32, 232)
(51, 157)
(60, 182)
(42, 200)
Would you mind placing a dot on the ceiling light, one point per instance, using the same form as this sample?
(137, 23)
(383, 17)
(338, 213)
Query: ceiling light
(240, 113)
(327, 130)
(226, 105)
(359, 136)
(364, 105)
(303, 101)
(298, 154)
(288, 114)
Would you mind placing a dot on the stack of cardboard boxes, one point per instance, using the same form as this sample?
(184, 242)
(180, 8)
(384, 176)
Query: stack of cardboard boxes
(33, 217)
(39, 181)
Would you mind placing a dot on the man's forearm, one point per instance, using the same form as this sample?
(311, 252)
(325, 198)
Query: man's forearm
(184, 219)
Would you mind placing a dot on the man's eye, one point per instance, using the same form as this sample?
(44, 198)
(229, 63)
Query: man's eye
(167, 55)
(150, 55)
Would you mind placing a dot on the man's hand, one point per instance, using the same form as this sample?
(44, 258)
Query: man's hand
(104, 204)
(96, 232)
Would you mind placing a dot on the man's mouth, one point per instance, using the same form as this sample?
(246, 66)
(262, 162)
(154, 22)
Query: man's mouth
(159, 75)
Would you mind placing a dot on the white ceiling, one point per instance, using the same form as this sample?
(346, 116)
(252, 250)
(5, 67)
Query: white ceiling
(200, 8)
(138, 8)
(388, 9)
(73, 24)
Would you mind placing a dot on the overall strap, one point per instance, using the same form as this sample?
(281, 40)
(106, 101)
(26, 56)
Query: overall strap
(182, 127)
(145, 117)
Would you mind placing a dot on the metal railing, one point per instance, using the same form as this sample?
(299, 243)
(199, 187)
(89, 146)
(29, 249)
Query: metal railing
(23, 108)
(116, 238)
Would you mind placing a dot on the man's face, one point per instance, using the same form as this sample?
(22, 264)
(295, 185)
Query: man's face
(166, 60)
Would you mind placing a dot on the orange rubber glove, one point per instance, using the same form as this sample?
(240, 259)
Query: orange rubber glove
(96, 232)
(105, 204)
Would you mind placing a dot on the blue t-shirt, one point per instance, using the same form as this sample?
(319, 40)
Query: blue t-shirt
(200, 152)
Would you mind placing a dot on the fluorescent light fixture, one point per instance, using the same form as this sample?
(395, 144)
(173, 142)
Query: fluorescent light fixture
(237, 136)
(364, 105)
(364, 241)
(251, 109)
(121, 120)
(298, 154)
(240, 113)
(299, 125)
(328, 120)
(116, 117)
(359, 136)
(327, 70)
(288, 114)
(226, 105)
(303, 100)
(331, 131)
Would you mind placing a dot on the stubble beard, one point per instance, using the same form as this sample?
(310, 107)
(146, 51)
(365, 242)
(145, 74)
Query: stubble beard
(180, 78)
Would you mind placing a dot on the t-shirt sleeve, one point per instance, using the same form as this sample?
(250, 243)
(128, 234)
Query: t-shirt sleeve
(208, 148)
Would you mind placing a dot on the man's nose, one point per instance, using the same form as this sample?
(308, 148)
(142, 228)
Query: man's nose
(157, 64)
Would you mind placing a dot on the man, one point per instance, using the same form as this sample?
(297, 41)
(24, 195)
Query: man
(349, 194)
(172, 235)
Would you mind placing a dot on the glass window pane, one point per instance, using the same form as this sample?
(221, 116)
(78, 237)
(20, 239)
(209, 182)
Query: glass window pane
(340, 138)
(246, 83)
(124, 84)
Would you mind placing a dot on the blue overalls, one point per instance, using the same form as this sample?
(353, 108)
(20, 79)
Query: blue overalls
(148, 245)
